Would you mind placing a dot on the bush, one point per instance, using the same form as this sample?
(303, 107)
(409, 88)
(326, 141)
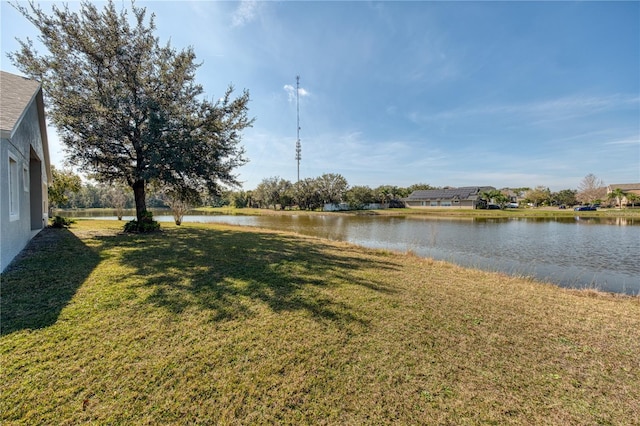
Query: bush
(61, 222)
(147, 224)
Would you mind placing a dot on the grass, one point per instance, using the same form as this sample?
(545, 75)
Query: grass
(212, 324)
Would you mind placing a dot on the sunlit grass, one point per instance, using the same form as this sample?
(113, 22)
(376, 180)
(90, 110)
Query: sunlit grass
(212, 324)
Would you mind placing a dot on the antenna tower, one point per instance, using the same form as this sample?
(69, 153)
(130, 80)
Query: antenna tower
(298, 145)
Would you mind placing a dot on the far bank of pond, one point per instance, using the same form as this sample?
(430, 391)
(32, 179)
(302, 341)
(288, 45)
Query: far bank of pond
(578, 252)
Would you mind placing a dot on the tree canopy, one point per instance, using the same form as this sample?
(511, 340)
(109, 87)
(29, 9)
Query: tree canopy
(63, 183)
(128, 109)
(565, 197)
(538, 195)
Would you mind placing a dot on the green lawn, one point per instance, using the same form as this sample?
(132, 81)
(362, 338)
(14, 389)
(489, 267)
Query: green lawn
(212, 324)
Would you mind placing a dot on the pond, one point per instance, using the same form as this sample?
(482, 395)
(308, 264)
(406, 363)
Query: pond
(600, 253)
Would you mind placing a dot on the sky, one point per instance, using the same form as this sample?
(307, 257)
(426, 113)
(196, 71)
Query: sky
(505, 94)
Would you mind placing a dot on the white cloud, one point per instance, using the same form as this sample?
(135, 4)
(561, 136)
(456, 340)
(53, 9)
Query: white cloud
(245, 13)
(291, 92)
(631, 140)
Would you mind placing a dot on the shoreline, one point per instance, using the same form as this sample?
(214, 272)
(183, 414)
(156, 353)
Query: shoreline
(542, 212)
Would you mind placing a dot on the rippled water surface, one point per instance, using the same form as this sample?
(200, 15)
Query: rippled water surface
(602, 253)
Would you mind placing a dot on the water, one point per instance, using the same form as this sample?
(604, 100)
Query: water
(600, 253)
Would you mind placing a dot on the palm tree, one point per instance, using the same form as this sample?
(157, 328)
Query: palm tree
(495, 196)
(618, 194)
(632, 199)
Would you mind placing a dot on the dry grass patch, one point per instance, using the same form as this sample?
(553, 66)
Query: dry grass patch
(212, 324)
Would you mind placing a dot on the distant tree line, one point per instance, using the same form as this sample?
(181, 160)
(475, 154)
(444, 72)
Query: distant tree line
(314, 193)
(591, 190)
(68, 191)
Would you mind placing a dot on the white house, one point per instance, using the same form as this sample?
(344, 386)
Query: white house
(24, 164)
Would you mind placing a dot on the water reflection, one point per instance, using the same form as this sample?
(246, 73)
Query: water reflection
(572, 252)
(620, 221)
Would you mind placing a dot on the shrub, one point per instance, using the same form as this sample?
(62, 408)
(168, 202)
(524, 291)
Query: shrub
(61, 222)
(147, 224)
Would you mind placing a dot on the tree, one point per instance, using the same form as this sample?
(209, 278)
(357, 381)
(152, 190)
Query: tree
(274, 191)
(617, 194)
(538, 196)
(632, 199)
(359, 196)
(306, 194)
(64, 182)
(220, 199)
(591, 189)
(241, 199)
(520, 191)
(495, 196)
(129, 109)
(179, 206)
(564, 197)
(89, 196)
(391, 195)
(116, 197)
(331, 187)
(386, 193)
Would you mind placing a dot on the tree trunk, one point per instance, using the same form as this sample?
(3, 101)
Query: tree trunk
(140, 197)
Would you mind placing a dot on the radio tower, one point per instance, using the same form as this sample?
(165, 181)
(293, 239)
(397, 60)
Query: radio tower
(298, 145)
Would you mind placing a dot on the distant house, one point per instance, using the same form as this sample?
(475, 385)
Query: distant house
(467, 197)
(24, 164)
(628, 188)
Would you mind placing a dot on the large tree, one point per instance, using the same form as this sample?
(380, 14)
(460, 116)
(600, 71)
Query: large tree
(565, 197)
(306, 194)
(591, 189)
(274, 191)
(332, 187)
(127, 108)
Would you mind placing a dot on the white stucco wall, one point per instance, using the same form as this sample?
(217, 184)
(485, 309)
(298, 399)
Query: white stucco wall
(15, 232)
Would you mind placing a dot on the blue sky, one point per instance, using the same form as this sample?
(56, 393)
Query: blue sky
(507, 94)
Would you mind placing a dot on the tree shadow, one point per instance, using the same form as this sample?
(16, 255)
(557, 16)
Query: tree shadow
(223, 273)
(42, 280)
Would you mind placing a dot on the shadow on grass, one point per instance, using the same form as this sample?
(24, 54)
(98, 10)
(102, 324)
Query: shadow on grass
(42, 280)
(225, 273)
